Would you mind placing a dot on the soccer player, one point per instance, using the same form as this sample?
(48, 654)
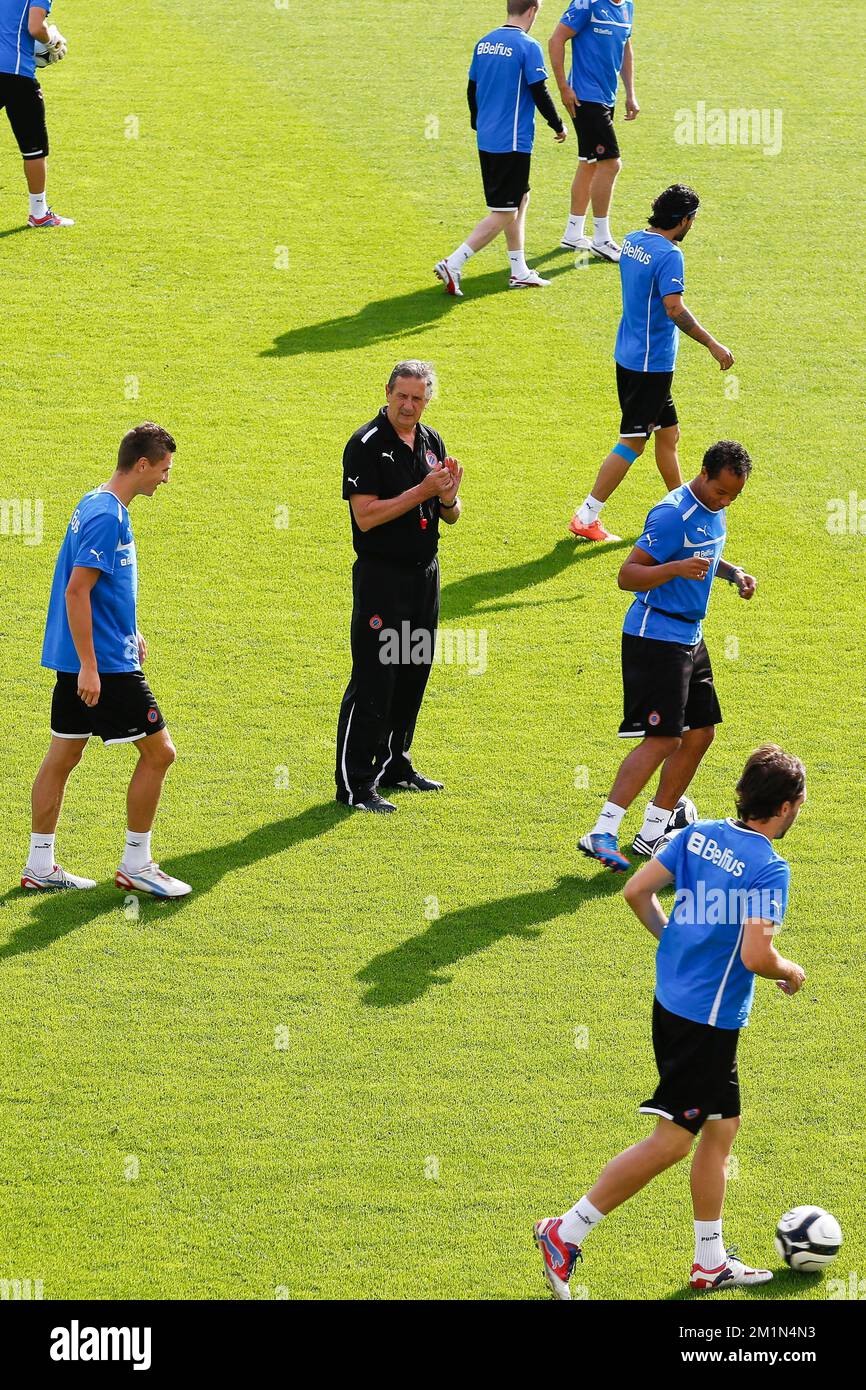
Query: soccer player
(670, 702)
(507, 81)
(601, 50)
(21, 24)
(652, 275)
(400, 483)
(93, 643)
(731, 896)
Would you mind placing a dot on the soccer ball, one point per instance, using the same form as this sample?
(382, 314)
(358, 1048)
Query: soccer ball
(670, 834)
(808, 1238)
(47, 53)
(684, 813)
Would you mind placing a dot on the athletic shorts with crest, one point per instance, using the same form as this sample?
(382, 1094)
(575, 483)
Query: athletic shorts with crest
(125, 712)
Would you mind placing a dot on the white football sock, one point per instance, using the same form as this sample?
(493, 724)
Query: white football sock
(655, 821)
(590, 511)
(610, 819)
(38, 204)
(600, 229)
(40, 860)
(457, 260)
(709, 1246)
(137, 852)
(519, 268)
(579, 1221)
(576, 226)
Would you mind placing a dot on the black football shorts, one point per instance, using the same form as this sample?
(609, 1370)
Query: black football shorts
(125, 712)
(697, 1066)
(645, 401)
(596, 137)
(667, 688)
(25, 109)
(506, 179)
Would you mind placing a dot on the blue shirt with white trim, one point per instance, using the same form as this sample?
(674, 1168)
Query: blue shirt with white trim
(602, 29)
(678, 528)
(505, 64)
(650, 267)
(99, 536)
(17, 46)
(725, 875)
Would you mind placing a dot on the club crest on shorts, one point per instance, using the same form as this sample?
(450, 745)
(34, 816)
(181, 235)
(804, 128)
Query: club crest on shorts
(691, 1114)
(152, 716)
(599, 149)
(375, 622)
(655, 719)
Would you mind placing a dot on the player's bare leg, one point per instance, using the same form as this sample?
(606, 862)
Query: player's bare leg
(606, 174)
(515, 237)
(631, 1170)
(667, 458)
(635, 772)
(450, 270)
(46, 799)
(714, 1267)
(585, 522)
(138, 872)
(680, 767)
(574, 237)
(36, 174)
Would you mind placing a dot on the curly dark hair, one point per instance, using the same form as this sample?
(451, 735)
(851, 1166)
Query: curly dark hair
(146, 441)
(727, 454)
(770, 778)
(669, 209)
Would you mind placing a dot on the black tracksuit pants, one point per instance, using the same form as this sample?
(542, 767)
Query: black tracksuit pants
(383, 697)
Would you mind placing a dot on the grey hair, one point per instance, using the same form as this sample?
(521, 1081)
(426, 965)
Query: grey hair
(422, 371)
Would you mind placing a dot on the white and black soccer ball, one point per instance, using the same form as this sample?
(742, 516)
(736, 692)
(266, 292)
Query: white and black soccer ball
(808, 1238)
(684, 813)
(46, 53)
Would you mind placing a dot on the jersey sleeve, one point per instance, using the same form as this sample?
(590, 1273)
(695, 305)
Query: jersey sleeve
(576, 16)
(671, 274)
(768, 892)
(40, 5)
(534, 69)
(672, 854)
(662, 536)
(96, 542)
(361, 473)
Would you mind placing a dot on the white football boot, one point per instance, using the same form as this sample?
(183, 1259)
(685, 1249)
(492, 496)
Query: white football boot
(151, 879)
(608, 250)
(450, 278)
(732, 1272)
(532, 281)
(58, 878)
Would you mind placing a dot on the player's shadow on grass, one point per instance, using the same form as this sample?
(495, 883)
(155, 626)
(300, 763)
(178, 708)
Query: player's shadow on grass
(464, 596)
(55, 915)
(399, 316)
(13, 231)
(407, 971)
(785, 1283)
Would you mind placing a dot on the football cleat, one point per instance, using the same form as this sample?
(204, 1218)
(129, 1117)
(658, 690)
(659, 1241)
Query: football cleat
(532, 281)
(51, 219)
(579, 243)
(595, 532)
(647, 848)
(414, 782)
(605, 849)
(58, 878)
(450, 279)
(558, 1256)
(732, 1272)
(374, 802)
(151, 879)
(608, 250)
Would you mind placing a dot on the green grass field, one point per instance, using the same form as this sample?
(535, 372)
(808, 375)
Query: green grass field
(301, 1082)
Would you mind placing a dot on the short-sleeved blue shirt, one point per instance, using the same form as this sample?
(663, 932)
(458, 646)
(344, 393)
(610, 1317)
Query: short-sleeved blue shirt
(99, 536)
(505, 64)
(650, 267)
(678, 528)
(17, 46)
(602, 29)
(725, 875)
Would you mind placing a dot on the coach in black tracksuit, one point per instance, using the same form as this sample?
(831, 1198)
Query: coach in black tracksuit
(399, 483)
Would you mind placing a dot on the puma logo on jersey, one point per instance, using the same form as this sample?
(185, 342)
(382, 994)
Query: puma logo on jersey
(354, 481)
(388, 456)
(99, 554)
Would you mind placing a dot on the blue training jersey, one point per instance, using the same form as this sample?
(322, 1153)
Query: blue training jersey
(650, 267)
(17, 47)
(724, 875)
(602, 29)
(678, 528)
(505, 64)
(99, 536)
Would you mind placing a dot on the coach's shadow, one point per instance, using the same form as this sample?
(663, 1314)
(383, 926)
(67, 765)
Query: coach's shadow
(55, 915)
(407, 971)
(400, 316)
(465, 596)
